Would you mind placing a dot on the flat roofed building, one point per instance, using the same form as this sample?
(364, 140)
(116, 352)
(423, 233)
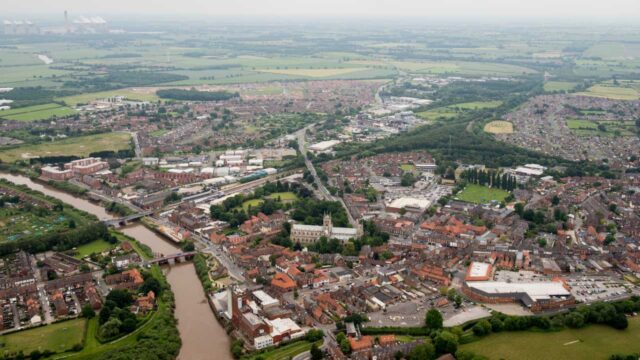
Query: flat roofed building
(478, 271)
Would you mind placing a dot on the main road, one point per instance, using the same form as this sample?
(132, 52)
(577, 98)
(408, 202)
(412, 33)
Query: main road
(322, 191)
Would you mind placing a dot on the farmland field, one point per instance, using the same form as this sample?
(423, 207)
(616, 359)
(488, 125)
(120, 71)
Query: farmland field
(591, 342)
(476, 105)
(479, 194)
(612, 92)
(451, 111)
(453, 67)
(559, 86)
(499, 127)
(37, 112)
(78, 146)
(57, 337)
(319, 73)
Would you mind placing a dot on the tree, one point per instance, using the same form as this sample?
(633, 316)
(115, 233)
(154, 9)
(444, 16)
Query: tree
(151, 284)
(122, 298)
(316, 353)
(574, 320)
(481, 328)
(446, 343)
(128, 325)
(110, 329)
(422, 352)
(88, 312)
(433, 319)
(345, 346)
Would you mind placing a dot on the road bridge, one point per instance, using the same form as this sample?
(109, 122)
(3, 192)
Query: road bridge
(172, 259)
(125, 220)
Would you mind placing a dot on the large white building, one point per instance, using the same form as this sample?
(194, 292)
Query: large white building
(312, 233)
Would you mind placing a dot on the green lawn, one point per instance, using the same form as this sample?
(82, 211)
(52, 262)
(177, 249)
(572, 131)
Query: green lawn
(37, 112)
(591, 342)
(479, 194)
(158, 132)
(284, 196)
(79, 146)
(58, 337)
(559, 86)
(96, 246)
(285, 352)
(441, 113)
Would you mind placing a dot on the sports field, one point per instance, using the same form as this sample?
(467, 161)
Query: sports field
(479, 194)
(499, 127)
(37, 112)
(583, 127)
(451, 111)
(57, 337)
(559, 86)
(612, 92)
(79, 146)
(591, 342)
(129, 94)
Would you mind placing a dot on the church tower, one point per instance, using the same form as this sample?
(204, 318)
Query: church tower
(327, 224)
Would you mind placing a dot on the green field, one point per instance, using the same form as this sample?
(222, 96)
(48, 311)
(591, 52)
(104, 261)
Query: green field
(284, 197)
(612, 92)
(127, 93)
(451, 67)
(285, 352)
(559, 86)
(476, 105)
(96, 246)
(79, 146)
(37, 112)
(611, 128)
(451, 111)
(479, 194)
(591, 342)
(58, 337)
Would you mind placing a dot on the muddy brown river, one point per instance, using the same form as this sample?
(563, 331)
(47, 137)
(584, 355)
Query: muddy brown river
(203, 338)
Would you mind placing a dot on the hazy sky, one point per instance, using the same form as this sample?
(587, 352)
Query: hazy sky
(602, 9)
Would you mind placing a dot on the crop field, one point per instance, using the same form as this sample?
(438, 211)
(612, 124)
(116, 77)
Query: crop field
(315, 73)
(612, 92)
(37, 112)
(613, 50)
(129, 94)
(479, 194)
(499, 127)
(591, 342)
(559, 86)
(583, 127)
(57, 337)
(79, 146)
(451, 67)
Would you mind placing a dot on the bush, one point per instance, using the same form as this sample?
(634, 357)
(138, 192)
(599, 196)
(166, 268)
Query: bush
(446, 343)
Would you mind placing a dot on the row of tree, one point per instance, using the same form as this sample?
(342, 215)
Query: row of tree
(491, 178)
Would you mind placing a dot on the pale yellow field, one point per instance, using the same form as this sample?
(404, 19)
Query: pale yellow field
(612, 92)
(312, 72)
(499, 127)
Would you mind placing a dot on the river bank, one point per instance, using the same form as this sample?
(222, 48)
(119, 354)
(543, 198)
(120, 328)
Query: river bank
(202, 335)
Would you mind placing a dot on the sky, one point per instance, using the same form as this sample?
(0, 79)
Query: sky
(569, 9)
